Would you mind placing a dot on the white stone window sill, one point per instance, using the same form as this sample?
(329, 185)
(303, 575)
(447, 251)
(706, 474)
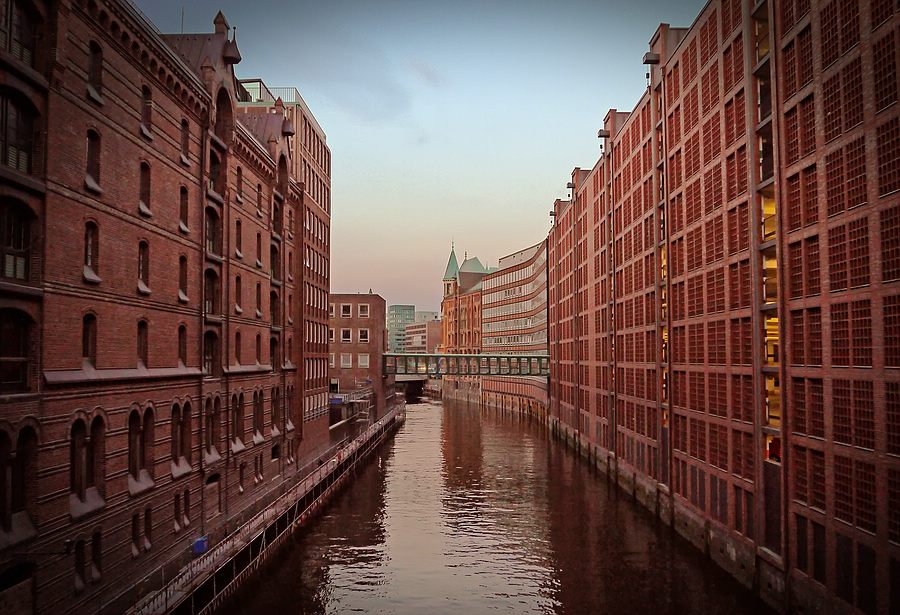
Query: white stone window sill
(143, 288)
(183, 298)
(90, 276)
(144, 210)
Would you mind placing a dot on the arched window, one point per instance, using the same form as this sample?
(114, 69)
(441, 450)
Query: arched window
(19, 28)
(6, 461)
(258, 250)
(215, 173)
(211, 363)
(183, 210)
(186, 436)
(135, 442)
(149, 435)
(141, 440)
(95, 68)
(276, 408)
(143, 335)
(223, 116)
(86, 462)
(146, 110)
(144, 267)
(213, 232)
(175, 437)
(182, 278)
(89, 339)
(92, 164)
(16, 133)
(237, 347)
(258, 349)
(15, 240)
(240, 184)
(24, 473)
(91, 251)
(185, 140)
(258, 300)
(274, 359)
(211, 427)
(237, 417)
(258, 413)
(273, 308)
(182, 344)
(211, 303)
(15, 351)
(259, 198)
(274, 263)
(238, 242)
(144, 198)
(237, 293)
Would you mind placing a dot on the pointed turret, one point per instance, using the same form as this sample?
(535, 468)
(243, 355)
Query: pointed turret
(452, 266)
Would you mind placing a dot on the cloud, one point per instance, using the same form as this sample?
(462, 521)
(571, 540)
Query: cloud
(426, 73)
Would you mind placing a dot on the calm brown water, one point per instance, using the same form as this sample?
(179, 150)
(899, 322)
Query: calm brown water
(467, 512)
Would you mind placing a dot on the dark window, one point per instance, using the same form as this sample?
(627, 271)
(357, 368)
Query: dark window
(237, 291)
(273, 307)
(215, 172)
(144, 266)
(237, 236)
(185, 138)
(15, 328)
(259, 197)
(211, 292)
(240, 182)
(93, 158)
(237, 347)
(146, 109)
(213, 232)
(16, 134)
(258, 348)
(96, 556)
(182, 344)
(140, 445)
(274, 263)
(183, 208)
(91, 248)
(87, 457)
(15, 240)
(18, 30)
(89, 339)
(95, 68)
(237, 417)
(182, 276)
(211, 354)
(144, 198)
(142, 343)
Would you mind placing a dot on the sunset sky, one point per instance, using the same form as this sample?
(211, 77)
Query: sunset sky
(453, 121)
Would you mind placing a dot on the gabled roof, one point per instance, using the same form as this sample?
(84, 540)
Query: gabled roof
(452, 267)
(472, 265)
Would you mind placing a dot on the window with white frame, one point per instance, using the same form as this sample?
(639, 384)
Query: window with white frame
(362, 360)
(346, 310)
(346, 335)
(331, 360)
(330, 310)
(363, 336)
(346, 359)
(363, 310)
(330, 335)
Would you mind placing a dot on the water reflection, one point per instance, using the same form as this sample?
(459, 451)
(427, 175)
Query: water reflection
(468, 512)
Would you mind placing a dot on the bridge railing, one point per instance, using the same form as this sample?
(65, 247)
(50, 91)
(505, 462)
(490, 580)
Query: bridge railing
(398, 363)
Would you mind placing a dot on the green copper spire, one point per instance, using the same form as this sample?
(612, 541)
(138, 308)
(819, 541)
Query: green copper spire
(452, 266)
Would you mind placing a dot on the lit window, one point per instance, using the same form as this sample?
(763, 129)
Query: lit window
(346, 359)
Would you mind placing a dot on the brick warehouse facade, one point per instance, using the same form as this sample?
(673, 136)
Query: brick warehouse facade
(725, 297)
(514, 321)
(461, 321)
(153, 217)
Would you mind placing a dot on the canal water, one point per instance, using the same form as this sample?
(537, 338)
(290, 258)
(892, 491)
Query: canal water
(467, 511)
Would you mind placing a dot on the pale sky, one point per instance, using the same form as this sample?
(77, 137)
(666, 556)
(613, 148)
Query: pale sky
(459, 120)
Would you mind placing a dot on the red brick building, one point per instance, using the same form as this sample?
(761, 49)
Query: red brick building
(461, 320)
(357, 343)
(514, 322)
(729, 264)
(423, 337)
(150, 295)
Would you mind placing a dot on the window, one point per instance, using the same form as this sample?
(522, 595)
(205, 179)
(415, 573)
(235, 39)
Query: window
(89, 340)
(259, 199)
(15, 350)
(259, 300)
(259, 262)
(238, 243)
(211, 292)
(91, 252)
(16, 134)
(331, 359)
(15, 241)
(363, 336)
(273, 308)
(146, 111)
(213, 232)
(92, 166)
(274, 358)
(19, 31)
(142, 343)
(346, 359)
(141, 440)
(96, 556)
(182, 344)
(346, 310)
(211, 428)
(330, 335)
(239, 181)
(18, 473)
(185, 141)
(86, 462)
(144, 267)
(346, 336)
(330, 310)
(258, 349)
(237, 347)
(183, 210)
(95, 70)
(144, 198)
(362, 360)
(363, 310)
(237, 417)
(258, 414)
(211, 363)
(182, 278)
(237, 294)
